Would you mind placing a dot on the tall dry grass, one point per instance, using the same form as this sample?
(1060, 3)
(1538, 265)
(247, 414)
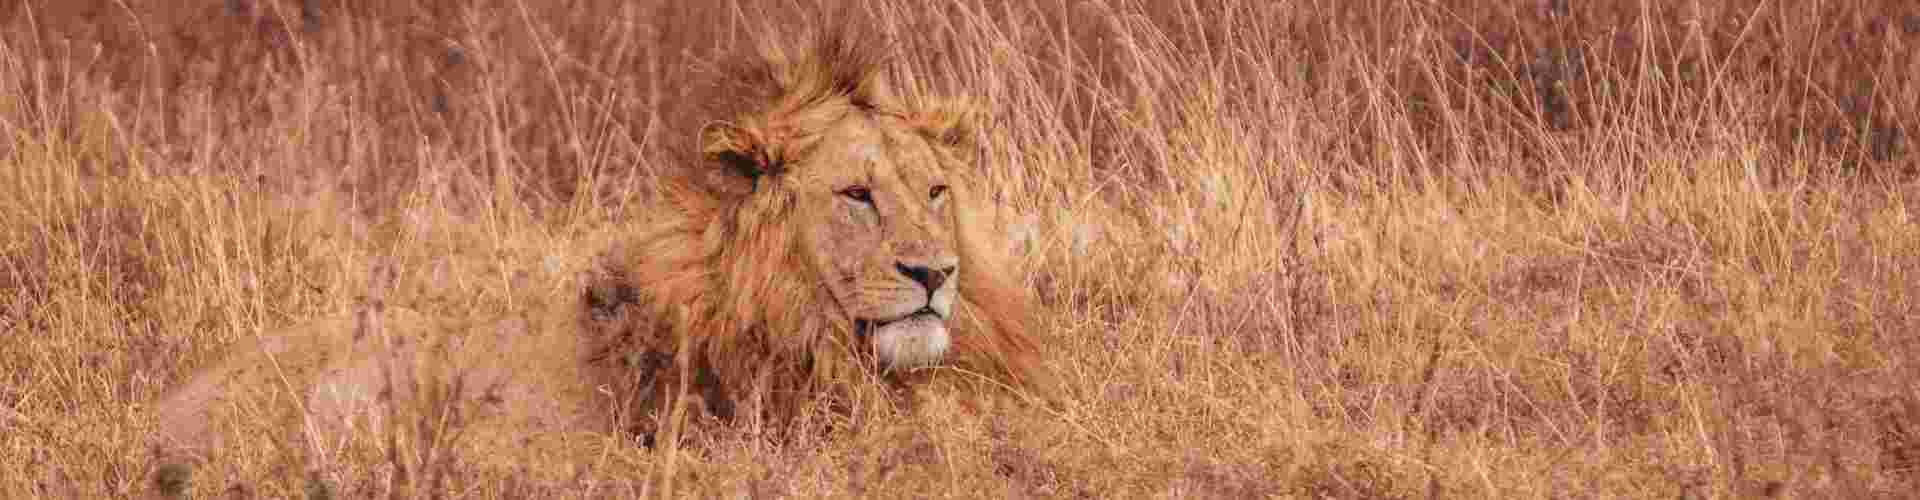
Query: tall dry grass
(1310, 248)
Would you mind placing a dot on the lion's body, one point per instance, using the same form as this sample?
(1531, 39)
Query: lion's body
(736, 280)
(359, 370)
(760, 283)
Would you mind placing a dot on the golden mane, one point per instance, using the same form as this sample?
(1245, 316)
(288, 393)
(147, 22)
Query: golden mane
(714, 282)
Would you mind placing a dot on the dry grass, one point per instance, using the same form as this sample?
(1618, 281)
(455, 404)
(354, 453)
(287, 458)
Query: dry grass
(1295, 249)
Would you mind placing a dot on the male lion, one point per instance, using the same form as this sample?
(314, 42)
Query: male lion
(828, 234)
(823, 243)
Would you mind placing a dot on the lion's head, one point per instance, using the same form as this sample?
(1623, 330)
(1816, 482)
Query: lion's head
(827, 229)
(866, 194)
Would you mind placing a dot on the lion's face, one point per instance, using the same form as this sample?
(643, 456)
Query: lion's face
(874, 195)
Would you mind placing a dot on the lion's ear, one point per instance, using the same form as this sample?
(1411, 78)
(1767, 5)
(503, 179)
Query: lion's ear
(951, 121)
(744, 151)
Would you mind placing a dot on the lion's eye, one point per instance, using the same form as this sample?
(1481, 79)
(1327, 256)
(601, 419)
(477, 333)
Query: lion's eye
(858, 193)
(938, 189)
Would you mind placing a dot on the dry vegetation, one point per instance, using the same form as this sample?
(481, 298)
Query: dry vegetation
(1296, 249)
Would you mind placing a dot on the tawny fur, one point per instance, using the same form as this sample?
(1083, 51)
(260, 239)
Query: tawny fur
(719, 267)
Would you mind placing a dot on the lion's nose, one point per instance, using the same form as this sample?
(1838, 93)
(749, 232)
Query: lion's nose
(927, 277)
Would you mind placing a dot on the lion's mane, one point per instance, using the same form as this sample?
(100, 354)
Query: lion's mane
(714, 283)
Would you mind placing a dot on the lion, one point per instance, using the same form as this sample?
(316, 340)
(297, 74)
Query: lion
(824, 243)
(825, 230)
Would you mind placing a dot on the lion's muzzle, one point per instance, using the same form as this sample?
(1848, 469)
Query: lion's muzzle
(916, 340)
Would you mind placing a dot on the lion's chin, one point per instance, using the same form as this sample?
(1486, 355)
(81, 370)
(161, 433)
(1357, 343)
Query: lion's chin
(915, 341)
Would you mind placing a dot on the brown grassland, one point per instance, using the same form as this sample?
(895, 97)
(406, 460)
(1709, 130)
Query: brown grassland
(1285, 249)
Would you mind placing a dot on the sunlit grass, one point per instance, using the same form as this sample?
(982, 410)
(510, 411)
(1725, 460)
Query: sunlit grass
(1347, 249)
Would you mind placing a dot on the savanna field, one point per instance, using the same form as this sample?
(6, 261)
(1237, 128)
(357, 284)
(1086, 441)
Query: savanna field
(1285, 249)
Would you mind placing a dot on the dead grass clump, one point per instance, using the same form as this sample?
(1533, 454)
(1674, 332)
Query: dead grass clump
(1528, 249)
